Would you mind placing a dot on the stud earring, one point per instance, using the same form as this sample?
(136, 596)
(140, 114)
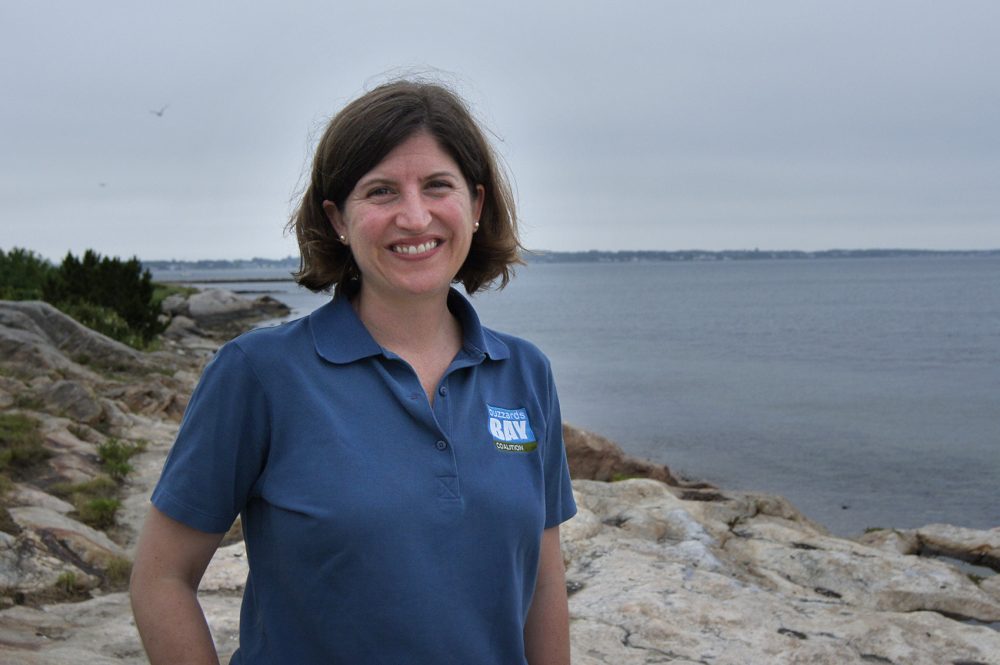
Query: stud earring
(475, 227)
(343, 239)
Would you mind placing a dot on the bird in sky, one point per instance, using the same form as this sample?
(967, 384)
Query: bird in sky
(159, 114)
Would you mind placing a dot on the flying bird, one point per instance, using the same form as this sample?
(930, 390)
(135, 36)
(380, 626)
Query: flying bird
(159, 114)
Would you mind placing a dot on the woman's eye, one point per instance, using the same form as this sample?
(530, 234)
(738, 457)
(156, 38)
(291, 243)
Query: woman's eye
(439, 184)
(379, 191)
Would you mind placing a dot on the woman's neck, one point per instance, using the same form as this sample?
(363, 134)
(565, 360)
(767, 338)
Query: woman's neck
(409, 326)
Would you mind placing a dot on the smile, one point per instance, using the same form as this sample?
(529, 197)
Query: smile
(410, 250)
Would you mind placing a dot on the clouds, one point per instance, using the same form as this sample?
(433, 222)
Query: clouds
(653, 125)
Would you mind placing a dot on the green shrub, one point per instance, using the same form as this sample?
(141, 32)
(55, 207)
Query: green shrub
(22, 274)
(115, 454)
(98, 513)
(113, 296)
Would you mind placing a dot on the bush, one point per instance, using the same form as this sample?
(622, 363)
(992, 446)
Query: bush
(22, 274)
(112, 296)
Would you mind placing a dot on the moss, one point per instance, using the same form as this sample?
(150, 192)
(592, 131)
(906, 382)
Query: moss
(28, 402)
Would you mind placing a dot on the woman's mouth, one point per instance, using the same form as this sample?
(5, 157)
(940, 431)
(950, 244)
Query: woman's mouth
(411, 250)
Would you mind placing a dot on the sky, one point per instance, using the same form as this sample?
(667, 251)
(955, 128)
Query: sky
(660, 125)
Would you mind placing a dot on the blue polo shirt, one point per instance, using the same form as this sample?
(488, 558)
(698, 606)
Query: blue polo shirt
(379, 528)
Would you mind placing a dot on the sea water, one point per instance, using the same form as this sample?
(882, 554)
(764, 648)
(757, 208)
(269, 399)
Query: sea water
(867, 391)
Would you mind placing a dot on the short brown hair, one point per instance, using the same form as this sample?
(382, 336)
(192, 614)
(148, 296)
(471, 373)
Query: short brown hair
(359, 137)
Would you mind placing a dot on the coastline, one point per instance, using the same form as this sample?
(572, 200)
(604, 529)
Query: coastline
(656, 569)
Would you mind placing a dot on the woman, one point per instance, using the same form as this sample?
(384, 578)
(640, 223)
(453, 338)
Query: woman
(399, 468)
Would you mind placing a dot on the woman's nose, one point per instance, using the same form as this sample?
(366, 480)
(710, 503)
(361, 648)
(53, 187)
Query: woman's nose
(413, 214)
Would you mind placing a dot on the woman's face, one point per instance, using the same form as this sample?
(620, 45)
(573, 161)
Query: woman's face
(409, 221)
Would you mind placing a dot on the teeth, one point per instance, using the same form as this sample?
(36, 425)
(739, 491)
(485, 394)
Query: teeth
(415, 249)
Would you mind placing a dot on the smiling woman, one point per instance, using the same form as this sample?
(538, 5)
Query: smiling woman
(360, 137)
(399, 468)
(409, 222)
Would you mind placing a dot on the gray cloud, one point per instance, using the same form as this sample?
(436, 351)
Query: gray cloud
(647, 125)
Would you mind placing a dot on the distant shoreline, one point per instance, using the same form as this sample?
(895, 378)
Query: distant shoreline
(590, 256)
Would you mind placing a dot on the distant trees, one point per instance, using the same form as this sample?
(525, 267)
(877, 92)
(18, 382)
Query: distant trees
(109, 295)
(22, 274)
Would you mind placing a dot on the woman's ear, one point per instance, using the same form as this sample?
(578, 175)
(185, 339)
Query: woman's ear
(477, 203)
(336, 220)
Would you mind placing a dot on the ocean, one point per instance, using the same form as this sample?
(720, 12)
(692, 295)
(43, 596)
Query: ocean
(866, 391)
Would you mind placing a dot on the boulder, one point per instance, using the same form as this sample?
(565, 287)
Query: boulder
(86, 548)
(175, 305)
(181, 326)
(37, 336)
(747, 579)
(28, 566)
(594, 457)
(73, 400)
(222, 309)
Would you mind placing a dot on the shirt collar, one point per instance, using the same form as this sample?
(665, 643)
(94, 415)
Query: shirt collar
(340, 337)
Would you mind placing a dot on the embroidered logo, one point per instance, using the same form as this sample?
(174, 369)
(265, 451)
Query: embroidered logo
(511, 430)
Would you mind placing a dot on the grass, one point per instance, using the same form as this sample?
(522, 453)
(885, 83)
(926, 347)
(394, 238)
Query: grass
(20, 444)
(117, 573)
(115, 455)
(95, 501)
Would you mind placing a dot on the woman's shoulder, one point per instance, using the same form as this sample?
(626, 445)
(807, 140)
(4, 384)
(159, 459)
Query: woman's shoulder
(270, 340)
(518, 347)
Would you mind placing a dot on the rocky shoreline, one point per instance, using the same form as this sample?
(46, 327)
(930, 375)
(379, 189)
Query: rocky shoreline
(659, 569)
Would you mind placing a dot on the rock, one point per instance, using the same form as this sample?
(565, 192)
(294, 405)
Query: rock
(181, 326)
(222, 309)
(151, 398)
(227, 571)
(25, 495)
(593, 457)
(981, 548)
(175, 305)
(39, 337)
(73, 460)
(73, 400)
(88, 549)
(27, 565)
(655, 578)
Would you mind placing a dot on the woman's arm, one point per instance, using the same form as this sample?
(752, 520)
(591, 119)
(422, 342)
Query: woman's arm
(546, 632)
(170, 560)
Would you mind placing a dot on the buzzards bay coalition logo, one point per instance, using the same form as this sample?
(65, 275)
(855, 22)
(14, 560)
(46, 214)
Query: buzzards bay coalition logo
(511, 430)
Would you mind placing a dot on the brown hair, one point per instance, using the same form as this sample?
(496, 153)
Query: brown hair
(359, 137)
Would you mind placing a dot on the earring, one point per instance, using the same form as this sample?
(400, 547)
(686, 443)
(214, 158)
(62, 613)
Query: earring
(475, 227)
(343, 239)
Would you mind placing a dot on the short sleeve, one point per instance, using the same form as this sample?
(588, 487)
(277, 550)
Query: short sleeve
(221, 447)
(559, 502)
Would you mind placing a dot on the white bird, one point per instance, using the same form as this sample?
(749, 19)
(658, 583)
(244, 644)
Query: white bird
(159, 113)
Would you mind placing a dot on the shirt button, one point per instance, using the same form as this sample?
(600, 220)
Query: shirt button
(441, 445)
(443, 390)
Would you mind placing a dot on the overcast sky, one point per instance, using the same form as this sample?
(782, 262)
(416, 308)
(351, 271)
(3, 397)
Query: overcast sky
(627, 125)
